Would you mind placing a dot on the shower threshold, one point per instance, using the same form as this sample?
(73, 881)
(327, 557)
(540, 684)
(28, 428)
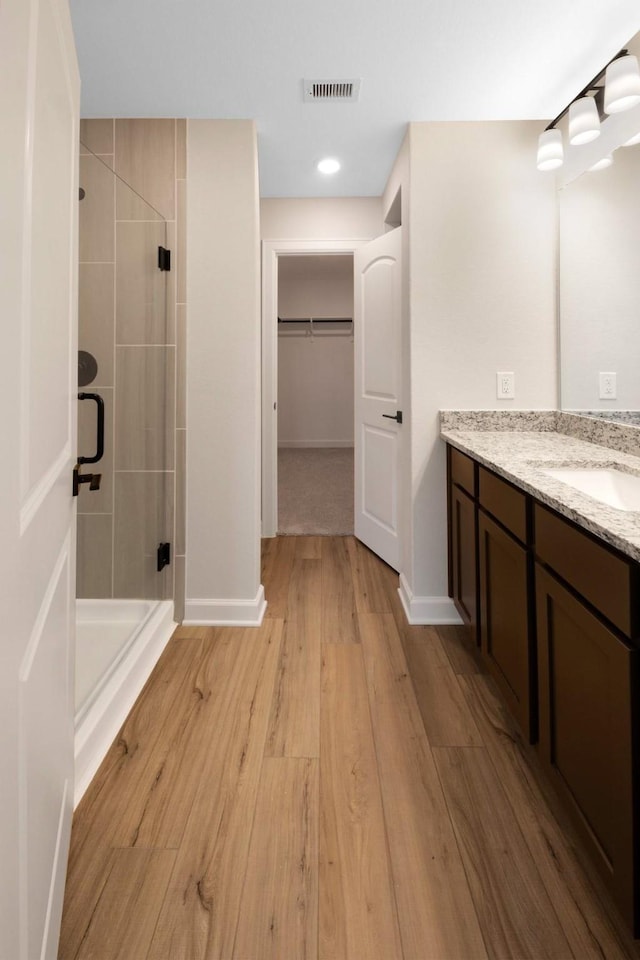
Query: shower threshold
(118, 643)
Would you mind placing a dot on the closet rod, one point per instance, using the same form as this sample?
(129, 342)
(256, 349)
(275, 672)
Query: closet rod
(315, 320)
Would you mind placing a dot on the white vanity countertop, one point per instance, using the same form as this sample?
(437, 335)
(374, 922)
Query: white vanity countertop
(521, 456)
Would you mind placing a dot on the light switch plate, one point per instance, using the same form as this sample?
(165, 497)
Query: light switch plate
(505, 386)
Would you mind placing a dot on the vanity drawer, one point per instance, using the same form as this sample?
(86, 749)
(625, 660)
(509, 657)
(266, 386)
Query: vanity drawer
(504, 502)
(605, 579)
(463, 471)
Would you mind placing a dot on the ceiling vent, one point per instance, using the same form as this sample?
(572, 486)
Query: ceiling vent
(338, 90)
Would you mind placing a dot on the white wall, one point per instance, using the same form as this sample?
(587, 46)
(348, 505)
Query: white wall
(600, 284)
(482, 285)
(315, 373)
(223, 382)
(315, 286)
(342, 218)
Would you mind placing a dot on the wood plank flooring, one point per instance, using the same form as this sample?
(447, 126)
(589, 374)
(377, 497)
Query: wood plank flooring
(334, 785)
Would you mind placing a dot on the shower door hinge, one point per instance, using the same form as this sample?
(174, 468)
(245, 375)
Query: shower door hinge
(164, 555)
(164, 258)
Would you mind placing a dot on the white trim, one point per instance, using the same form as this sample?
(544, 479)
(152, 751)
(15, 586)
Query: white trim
(303, 444)
(51, 933)
(40, 491)
(99, 725)
(426, 610)
(271, 250)
(61, 566)
(225, 613)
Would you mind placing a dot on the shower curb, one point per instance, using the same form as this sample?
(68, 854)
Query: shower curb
(99, 725)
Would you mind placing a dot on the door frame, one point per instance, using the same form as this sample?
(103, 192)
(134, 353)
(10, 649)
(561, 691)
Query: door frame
(271, 250)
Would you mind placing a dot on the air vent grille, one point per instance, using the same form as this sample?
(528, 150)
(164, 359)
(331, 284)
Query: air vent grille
(340, 90)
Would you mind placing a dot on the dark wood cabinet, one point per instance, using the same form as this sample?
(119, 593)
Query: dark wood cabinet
(464, 558)
(558, 615)
(587, 676)
(463, 552)
(504, 618)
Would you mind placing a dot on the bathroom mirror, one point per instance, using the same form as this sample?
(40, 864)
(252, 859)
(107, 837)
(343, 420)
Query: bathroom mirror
(599, 275)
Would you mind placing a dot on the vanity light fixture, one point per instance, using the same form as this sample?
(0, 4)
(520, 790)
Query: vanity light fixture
(584, 121)
(633, 141)
(622, 84)
(329, 165)
(550, 150)
(602, 163)
(620, 91)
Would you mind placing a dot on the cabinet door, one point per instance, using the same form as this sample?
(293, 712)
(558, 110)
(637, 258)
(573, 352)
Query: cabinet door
(464, 558)
(504, 618)
(586, 676)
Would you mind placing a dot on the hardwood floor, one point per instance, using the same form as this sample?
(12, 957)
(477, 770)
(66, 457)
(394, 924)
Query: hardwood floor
(334, 785)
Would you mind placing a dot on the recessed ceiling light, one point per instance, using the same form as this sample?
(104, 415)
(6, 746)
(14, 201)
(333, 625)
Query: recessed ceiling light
(329, 165)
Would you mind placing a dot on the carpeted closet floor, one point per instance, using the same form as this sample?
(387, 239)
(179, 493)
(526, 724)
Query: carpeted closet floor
(315, 490)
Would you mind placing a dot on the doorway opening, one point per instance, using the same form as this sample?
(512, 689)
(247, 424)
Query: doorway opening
(378, 415)
(307, 431)
(315, 393)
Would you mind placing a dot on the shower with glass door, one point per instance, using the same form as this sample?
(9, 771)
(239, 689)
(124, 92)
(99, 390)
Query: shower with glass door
(125, 503)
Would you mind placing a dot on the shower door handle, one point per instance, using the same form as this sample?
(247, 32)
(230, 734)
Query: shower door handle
(93, 479)
(99, 427)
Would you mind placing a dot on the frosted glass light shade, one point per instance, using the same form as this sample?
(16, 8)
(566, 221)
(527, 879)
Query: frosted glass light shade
(584, 122)
(550, 150)
(602, 164)
(622, 85)
(633, 141)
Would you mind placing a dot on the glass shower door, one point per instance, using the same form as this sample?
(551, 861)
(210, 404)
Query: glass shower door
(127, 357)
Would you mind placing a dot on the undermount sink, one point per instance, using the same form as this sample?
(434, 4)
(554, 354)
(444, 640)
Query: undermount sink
(613, 487)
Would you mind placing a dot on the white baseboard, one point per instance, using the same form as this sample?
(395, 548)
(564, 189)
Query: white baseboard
(314, 443)
(97, 726)
(426, 610)
(225, 613)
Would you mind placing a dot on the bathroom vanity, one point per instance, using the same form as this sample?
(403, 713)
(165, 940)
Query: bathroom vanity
(547, 578)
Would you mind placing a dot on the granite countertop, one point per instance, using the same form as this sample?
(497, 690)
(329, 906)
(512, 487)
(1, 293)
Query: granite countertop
(520, 455)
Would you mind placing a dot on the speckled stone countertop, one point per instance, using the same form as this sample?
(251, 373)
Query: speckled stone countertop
(520, 453)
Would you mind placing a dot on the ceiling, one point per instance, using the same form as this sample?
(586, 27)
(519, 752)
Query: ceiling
(418, 60)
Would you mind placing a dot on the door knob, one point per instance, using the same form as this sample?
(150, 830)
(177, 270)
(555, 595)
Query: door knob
(397, 417)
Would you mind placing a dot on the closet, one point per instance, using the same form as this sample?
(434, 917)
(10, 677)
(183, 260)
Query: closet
(315, 394)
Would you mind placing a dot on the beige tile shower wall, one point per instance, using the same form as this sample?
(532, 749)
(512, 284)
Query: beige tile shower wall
(137, 349)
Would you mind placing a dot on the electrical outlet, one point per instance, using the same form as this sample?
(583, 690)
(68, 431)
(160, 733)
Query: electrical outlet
(608, 386)
(505, 386)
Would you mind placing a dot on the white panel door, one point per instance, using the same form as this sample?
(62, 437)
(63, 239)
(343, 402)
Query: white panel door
(39, 105)
(377, 329)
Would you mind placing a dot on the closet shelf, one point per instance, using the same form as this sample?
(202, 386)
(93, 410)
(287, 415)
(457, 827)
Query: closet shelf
(314, 326)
